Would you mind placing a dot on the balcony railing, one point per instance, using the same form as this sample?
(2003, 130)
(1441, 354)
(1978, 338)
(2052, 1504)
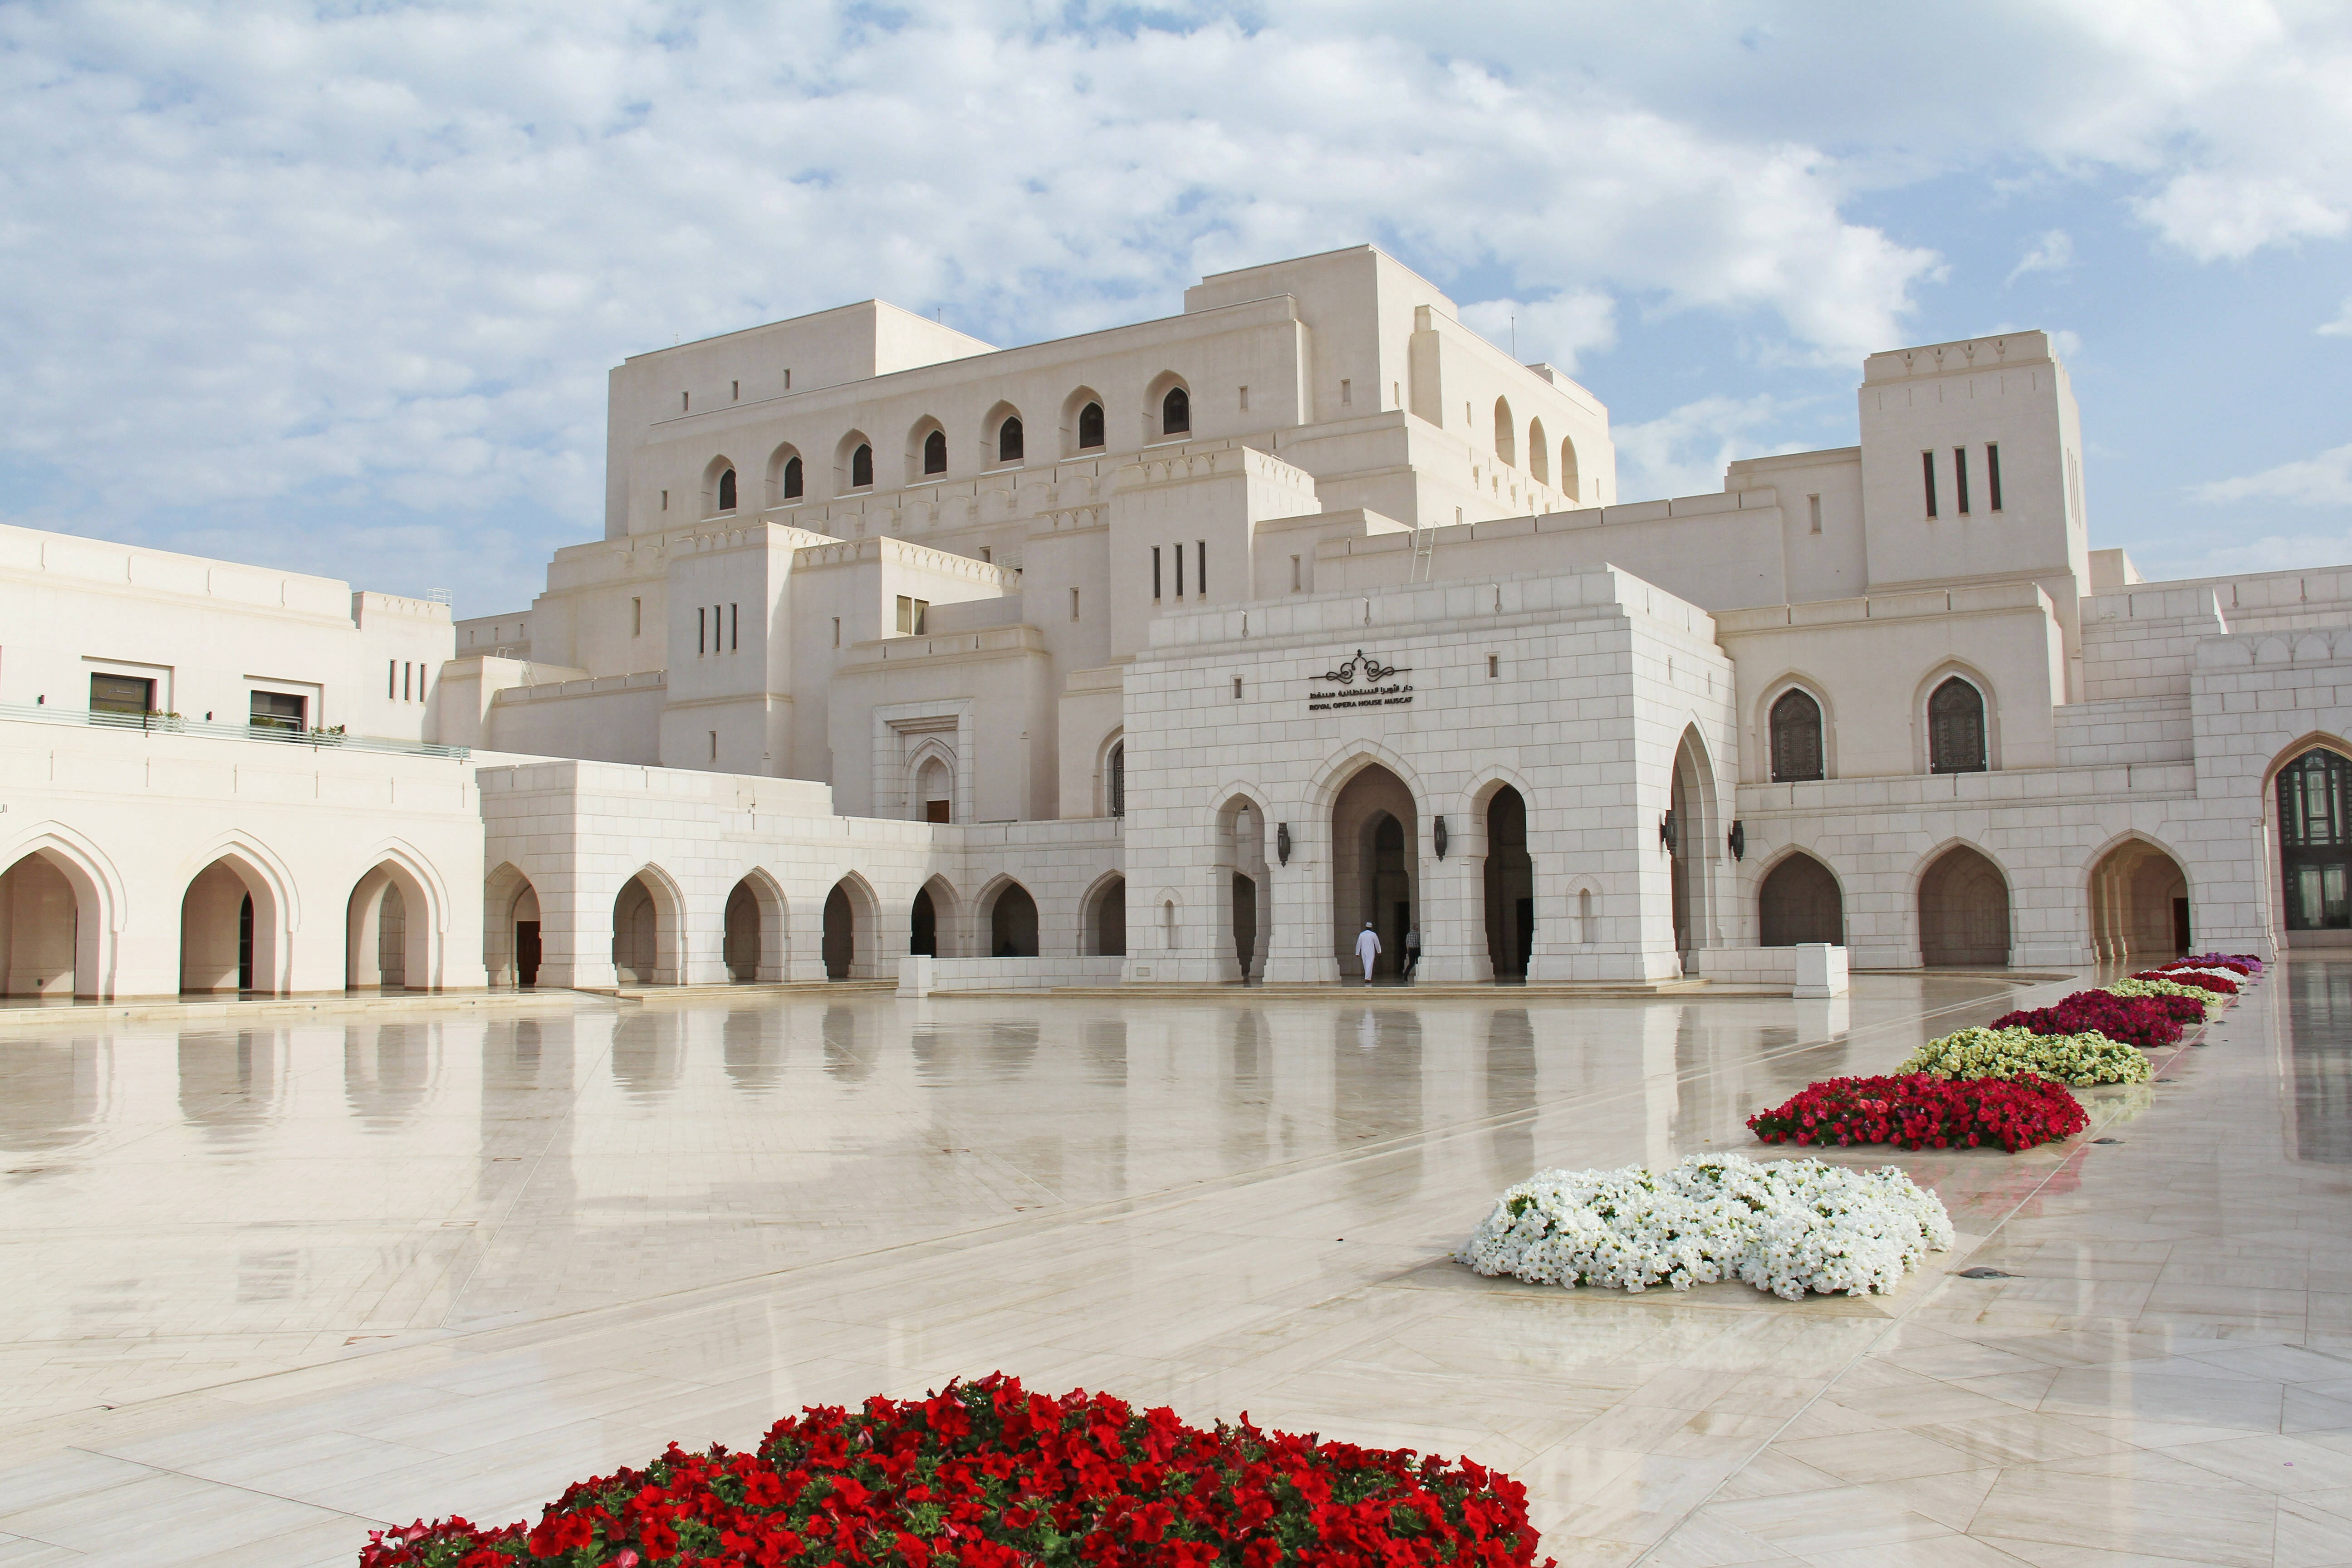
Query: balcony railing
(265, 733)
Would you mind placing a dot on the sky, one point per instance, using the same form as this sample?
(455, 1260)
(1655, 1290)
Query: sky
(336, 287)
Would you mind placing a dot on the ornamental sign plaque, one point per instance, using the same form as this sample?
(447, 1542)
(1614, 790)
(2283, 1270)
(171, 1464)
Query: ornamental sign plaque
(1378, 688)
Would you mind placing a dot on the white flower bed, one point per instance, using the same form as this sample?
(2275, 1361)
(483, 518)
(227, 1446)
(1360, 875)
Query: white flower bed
(1783, 1225)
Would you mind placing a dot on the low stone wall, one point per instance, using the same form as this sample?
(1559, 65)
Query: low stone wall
(936, 976)
(1809, 969)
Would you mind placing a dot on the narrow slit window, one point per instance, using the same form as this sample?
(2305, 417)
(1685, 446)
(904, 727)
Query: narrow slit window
(636, 618)
(685, 401)
(1073, 604)
(1155, 571)
(1347, 392)
(1993, 475)
(701, 631)
(1246, 399)
(788, 378)
(391, 679)
(664, 500)
(1960, 478)
(734, 627)
(1928, 475)
(1294, 573)
(1200, 566)
(836, 631)
(1238, 688)
(406, 670)
(714, 745)
(1813, 511)
(1180, 571)
(739, 390)
(1494, 665)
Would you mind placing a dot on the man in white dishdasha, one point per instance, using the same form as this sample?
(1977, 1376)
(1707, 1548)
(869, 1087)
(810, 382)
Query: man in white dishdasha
(1368, 948)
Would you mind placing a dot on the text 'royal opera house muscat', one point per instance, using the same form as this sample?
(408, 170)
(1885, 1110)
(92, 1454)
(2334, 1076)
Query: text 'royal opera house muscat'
(1178, 652)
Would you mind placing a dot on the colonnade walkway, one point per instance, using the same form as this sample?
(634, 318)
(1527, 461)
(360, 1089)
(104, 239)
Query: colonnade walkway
(268, 1289)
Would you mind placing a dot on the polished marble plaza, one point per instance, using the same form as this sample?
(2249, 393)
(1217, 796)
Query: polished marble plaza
(268, 1289)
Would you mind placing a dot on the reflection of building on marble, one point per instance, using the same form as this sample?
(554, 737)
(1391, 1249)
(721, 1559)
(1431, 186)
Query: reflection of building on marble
(1192, 645)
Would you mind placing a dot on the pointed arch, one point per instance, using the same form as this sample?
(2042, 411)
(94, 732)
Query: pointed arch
(2138, 896)
(395, 922)
(238, 912)
(511, 927)
(1963, 896)
(1800, 899)
(1167, 408)
(755, 941)
(1939, 702)
(1539, 453)
(787, 475)
(649, 936)
(852, 463)
(1006, 917)
(927, 450)
(1507, 434)
(1084, 427)
(1004, 439)
(1103, 916)
(1570, 482)
(1244, 824)
(90, 943)
(852, 929)
(719, 486)
(936, 918)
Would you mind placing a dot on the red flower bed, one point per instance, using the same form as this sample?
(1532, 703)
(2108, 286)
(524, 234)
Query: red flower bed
(987, 1475)
(2212, 983)
(1920, 1110)
(2135, 1020)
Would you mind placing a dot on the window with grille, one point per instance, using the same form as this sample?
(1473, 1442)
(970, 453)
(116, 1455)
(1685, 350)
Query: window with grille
(1796, 738)
(1956, 729)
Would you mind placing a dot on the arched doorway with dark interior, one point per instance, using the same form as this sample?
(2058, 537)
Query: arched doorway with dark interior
(751, 945)
(1963, 911)
(1375, 869)
(228, 930)
(2139, 903)
(1241, 860)
(1509, 877)
(1692, 834)
(1013, 922)
(1799, 901)
(2315, 817)
(847, 945)
(1107, 920)
(644, 932)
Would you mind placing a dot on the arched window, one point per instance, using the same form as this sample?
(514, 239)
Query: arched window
(2314, 796)
(1796, 738)
(1115, 780)
(1008, 440)
(935, 452)
(1090, 426)
(1539, 453)
(861, 466)
(1176, 413)
(1956, 729)
(791, 479)
(1569, 479)
(1507, 435)
(726, 490)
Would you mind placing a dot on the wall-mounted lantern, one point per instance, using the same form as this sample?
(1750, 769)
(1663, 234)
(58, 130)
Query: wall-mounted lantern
(1666, 830)
(1440, 839)
(1738, 840)
(1282, 842)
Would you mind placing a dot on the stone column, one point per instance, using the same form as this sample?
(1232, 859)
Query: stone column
(1454, 904)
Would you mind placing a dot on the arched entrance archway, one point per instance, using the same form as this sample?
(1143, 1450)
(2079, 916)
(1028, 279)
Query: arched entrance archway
(644, 932)
(512, 948)
(1106, 921)
(753, 946)
(2139, 903)
(2314, 807)
(1963, 911)
(39, 930)
(1375, 867)
(849, 944)
(1012, 924)
(228, 930)
(1799, 901)
(1690, 799)
(923, 926)
(388, 931)
(1510, 886)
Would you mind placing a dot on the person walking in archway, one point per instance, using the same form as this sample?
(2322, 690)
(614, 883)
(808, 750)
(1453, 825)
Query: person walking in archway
(1368, 950)
(1411, 952)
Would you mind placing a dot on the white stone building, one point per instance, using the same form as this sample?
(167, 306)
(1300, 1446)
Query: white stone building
(1181, 651)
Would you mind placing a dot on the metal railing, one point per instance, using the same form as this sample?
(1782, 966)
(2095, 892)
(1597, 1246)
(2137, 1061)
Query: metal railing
(267, 735)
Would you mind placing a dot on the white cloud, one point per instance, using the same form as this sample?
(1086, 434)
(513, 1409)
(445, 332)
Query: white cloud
(2341, 327)
(1684, 452)
(2323, 481)
(1546, 331)
(2051, 252)
(282, 264)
